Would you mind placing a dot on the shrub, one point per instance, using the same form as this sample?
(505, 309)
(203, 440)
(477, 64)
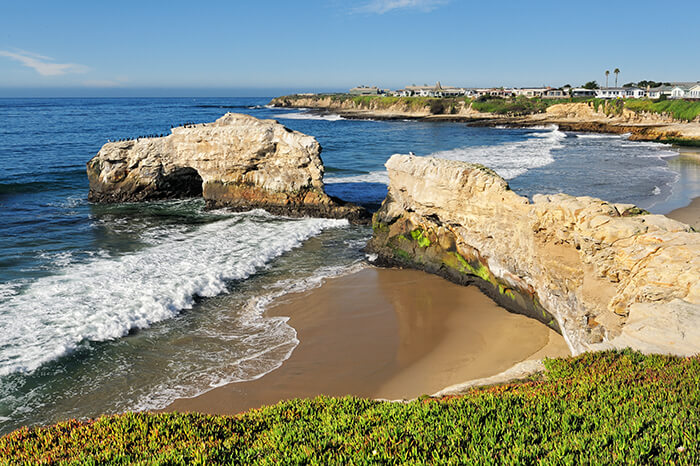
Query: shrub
(436, 107)
(612, 407)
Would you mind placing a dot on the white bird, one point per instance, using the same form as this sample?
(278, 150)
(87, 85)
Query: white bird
(411, 153)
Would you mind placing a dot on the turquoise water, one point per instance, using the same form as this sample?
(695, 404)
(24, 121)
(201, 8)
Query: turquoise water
(110, 308)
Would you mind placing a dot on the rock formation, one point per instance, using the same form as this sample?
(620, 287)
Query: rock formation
(238, 161)
(580, 116)
(604, 275)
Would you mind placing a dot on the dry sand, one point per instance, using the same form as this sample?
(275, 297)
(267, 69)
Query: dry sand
(387, 333)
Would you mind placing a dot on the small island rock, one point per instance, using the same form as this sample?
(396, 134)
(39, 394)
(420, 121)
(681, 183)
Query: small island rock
(238, 161)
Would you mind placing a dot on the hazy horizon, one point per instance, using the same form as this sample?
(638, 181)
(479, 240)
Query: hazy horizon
(83, 49)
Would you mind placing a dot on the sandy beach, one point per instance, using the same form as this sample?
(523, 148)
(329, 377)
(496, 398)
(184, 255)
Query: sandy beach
(689, 214)
(387, 333)
(394, 334)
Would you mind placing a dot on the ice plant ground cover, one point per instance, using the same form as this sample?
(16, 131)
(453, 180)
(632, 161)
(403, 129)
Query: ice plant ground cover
(611, 407)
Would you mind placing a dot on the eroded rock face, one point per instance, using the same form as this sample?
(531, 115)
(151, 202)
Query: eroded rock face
(605, 275)
(238, 161)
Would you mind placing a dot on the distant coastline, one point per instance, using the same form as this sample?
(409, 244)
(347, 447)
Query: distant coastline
(586, 115)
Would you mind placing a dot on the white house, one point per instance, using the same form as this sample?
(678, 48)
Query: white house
(678, 92)
(421, 91)
(694, 92)
(682, 90)
(619, 93)
(530, 91)
(657, 92)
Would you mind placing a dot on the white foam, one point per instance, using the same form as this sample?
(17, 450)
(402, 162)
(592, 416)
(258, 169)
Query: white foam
(8, 290)
(508, 160)
(104, 298)
(512, 158)
(57, 259)
(661, 151)
(263, 357)
(310, 116)
(372, 177)
(600, 136)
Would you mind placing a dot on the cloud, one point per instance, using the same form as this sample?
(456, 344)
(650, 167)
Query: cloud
(385, 6)
(42, 64)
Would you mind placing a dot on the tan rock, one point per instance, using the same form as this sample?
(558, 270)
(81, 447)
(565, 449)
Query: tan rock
(238, 161)
(579, 264)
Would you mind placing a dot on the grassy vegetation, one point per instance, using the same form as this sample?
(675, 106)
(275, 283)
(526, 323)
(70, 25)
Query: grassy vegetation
(433, 105)
(511, 106)
(683, 110)
(595, 409)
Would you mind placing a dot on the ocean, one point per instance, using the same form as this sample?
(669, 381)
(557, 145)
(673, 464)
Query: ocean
(105, 309)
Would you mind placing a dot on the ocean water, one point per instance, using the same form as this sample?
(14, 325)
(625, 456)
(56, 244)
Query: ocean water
(111, 308)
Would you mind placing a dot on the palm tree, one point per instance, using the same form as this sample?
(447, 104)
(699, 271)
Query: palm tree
(607, 73)
(617, 71)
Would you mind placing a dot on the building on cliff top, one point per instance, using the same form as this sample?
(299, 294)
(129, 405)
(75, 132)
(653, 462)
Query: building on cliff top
(364, 90)
(620, 93)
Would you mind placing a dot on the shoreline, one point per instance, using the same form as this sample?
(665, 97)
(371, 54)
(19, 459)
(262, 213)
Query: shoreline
(389, 334)
(689, 214)
(641, 127)
(394, 370)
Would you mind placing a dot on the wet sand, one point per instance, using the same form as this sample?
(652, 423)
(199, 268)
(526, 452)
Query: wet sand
(387, 333)
(689, 214)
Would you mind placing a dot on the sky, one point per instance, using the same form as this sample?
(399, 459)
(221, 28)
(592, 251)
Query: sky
(269, 47)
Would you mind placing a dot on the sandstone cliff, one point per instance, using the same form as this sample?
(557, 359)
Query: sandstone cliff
(238, 161)
(581, 116)
(603, 274)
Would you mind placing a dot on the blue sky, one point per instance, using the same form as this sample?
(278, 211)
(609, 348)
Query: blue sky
(264, 47)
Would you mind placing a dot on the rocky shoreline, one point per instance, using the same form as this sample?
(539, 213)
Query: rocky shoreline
(604, 275)
(579, 116)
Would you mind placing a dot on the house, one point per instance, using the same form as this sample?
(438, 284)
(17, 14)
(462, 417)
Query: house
(657, 92)
(434, 91)
(401, 93)
(530, 91)
(582, 92)
(555, 94)
(451, 91)
(694, 92)
(421, 91)
(364, 90)
(682, 90)
(619, 93)
(678, 92)
(496, 92)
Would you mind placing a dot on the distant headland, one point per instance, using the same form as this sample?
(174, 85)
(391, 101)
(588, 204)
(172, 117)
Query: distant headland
(667, 113)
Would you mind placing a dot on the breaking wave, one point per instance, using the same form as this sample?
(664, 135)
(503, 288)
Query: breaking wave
(105, 298)
(310, 116)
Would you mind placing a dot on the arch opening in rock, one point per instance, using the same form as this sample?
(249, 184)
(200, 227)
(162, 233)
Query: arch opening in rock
(182, 182)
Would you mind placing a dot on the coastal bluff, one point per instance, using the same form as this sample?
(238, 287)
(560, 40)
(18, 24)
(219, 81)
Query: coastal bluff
(605, 275)
(238, 161)
(589, 116)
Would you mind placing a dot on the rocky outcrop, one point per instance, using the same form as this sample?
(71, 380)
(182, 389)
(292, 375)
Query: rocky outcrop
(385, 109)
(604, 275)
(238, 161)
(579, 116)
